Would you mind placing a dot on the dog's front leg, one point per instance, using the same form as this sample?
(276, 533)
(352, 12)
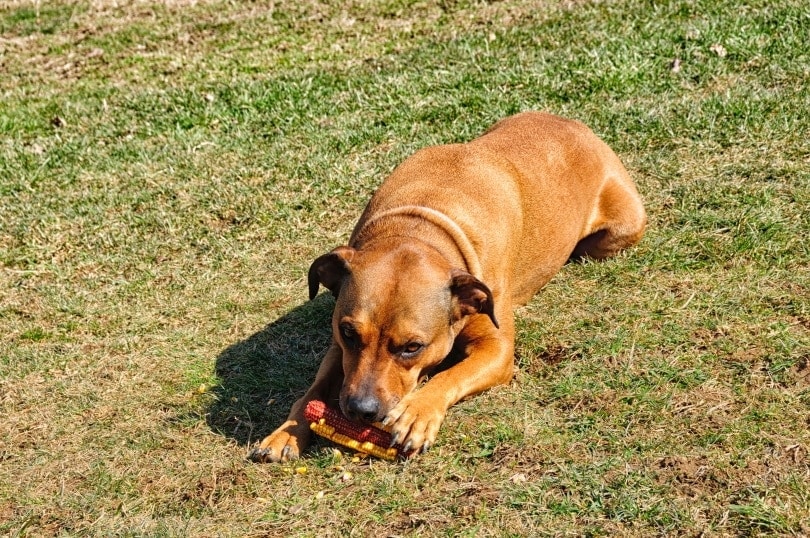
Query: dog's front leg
(292, 437)
(488, 361)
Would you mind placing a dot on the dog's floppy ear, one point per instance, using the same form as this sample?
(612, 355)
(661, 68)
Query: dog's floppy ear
(471, 295)
(330, 270)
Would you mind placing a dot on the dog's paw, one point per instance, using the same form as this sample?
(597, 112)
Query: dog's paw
(414, 424)
(284, 444)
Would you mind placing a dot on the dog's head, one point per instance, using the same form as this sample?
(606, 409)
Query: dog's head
(399, 309)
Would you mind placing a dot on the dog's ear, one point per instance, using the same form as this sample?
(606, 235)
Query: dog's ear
(471, 295)
(330, 270)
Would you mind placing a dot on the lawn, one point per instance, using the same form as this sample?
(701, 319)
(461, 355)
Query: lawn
(168, 171)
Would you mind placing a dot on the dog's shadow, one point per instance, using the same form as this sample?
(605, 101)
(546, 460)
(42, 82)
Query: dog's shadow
(261, 376)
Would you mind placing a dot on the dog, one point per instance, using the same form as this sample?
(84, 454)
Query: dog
(453, 240)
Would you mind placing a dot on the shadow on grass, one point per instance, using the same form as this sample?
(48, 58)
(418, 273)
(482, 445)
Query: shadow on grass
(261, 376)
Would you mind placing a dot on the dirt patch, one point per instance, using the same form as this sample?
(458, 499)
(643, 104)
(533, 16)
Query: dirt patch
(692, 476)
(697, 476)
(542, 363)
(530, 460)
(473, 498)
(801, 373)
(554, 355)
(589, 402)
(212, 487)
(709, 406)
(776, 465)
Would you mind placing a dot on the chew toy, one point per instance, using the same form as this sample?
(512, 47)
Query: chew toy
(331, 424)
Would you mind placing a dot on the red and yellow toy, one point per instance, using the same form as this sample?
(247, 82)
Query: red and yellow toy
(331, 424)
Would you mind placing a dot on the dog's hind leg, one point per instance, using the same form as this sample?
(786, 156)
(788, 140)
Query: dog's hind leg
(618, 221)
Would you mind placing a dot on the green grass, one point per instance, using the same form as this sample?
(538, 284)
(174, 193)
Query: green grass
(168, 171)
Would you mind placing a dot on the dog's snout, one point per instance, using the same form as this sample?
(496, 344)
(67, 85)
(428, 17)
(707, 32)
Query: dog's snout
(364, 408)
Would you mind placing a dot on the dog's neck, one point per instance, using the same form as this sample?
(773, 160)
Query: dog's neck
(376, 227)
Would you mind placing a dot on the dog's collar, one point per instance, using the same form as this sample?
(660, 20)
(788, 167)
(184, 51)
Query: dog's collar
(439, 219)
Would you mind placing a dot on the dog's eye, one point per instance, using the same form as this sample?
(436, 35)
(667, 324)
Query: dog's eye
(349, 333)
(411, 349)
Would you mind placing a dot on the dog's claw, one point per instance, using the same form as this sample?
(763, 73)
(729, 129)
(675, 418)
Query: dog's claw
(259, 455)
(425, 447)
(407, 447)
(285, 453)
(394, 439)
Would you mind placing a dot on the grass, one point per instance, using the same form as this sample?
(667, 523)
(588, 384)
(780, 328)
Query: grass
(168, 170)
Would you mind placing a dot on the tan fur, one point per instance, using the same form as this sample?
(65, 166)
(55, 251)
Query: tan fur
(450, 243)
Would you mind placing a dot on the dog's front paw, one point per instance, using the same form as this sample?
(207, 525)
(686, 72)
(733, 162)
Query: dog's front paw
(284, 444)
(414, 423)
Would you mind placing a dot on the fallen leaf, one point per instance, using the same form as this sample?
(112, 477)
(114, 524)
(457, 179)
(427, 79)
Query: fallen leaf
(718, 49)
(518, 478)
(675, 65)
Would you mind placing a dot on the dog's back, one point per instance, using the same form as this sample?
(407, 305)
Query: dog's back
(525, 194)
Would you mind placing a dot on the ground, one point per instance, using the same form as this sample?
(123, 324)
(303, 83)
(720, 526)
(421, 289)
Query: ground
(168, 170)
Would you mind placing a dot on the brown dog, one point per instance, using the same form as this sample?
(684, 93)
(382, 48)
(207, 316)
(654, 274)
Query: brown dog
(454, 239)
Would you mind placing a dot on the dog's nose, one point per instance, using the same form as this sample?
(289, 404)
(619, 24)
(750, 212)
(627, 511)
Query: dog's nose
(363, 408)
